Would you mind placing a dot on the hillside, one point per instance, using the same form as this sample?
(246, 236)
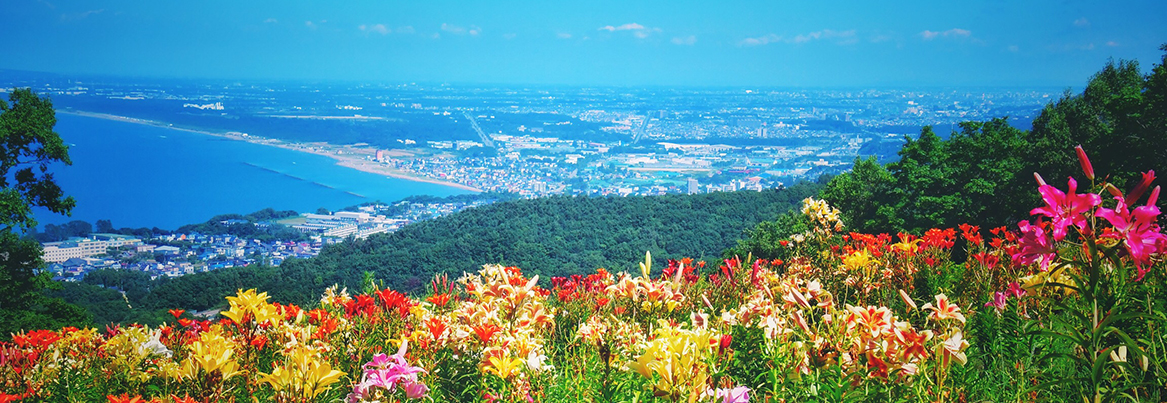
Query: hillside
(553, 236)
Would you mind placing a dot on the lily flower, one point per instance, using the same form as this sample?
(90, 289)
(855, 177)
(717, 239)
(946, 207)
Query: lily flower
(1141, 187)
(944, 309)
(1066, 209)
(1035, 246)
(1015, 290)
(998, 301)
(740, 394)
(1138, 229)
(953, 349)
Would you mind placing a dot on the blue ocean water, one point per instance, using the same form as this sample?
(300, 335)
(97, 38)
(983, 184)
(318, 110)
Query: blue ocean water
(145, 176)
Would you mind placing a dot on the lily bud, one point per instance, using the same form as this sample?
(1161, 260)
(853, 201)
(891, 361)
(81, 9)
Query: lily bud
(1134, 194)
(1154, 197)
(908, 300)
(1040, 181)
(1085, 161)
(1113, 190)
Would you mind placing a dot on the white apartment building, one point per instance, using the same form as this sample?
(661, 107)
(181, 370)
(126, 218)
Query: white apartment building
(56, 252)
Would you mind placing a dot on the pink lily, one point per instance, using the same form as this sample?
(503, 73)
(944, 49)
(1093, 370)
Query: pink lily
(998, 302)
(740, 394)
(1015, 290)
(1144, 183)
(1138, 229)
(1034, 245)
(416, 390)
(1066, 209)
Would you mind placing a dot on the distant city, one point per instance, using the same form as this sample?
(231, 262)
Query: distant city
(530, 142)
(540, 141)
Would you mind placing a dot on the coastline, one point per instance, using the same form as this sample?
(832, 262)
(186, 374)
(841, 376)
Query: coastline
(345, 156)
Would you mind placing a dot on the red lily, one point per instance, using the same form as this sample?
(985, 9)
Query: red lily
(485, 332)
(436, 327)
(124, 398)
(439, 299)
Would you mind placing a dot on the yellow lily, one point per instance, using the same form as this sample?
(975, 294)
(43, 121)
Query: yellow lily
(502, 366)
(303, 374)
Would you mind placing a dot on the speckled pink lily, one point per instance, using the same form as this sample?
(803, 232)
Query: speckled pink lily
(1065, 209)
(1138, 229)
(1035, 246)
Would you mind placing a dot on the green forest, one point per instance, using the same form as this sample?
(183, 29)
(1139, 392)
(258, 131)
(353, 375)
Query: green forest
(553, 236)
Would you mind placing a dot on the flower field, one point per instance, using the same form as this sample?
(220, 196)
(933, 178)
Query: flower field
(1066, 307)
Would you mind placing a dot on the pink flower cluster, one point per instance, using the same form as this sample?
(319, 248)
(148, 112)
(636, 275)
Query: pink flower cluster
(1137, 230)
(387, 372)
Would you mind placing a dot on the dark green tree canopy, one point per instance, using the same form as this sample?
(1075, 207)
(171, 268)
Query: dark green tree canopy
(984, 172)
(28, 146)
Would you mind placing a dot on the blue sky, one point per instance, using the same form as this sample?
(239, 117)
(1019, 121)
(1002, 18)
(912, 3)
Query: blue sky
(742, 43)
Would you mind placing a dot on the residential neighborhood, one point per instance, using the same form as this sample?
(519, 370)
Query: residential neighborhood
(178, 254)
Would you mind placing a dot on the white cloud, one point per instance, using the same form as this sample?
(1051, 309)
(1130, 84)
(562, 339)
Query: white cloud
(626, 27)
(378, 28)
(1082, 23)
(639, 31)
(473, 30)
(1111, 43)
(81, 15)
(453, 29)
(761, 40)
(955, 32)
(1013, 48)
(840, 37)
(685, 40)
(309, 24)
(509, 36)
(408, 29)
(846, 36)
(271, 21)
(563, 35)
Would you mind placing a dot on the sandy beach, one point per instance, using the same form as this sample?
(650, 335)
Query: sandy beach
(345, 156)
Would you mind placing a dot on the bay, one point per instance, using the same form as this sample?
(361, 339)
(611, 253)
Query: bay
(146, 176)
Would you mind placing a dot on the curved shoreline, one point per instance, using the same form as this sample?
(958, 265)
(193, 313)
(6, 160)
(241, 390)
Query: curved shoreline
(358, 164)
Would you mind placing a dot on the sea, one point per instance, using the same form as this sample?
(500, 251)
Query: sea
(147, 176)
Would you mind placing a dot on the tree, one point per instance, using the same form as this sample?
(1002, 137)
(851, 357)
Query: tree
(1120, 118)
(856, 194)
(104, 227)
(28, 146)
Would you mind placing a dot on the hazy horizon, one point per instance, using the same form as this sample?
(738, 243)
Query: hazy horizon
(725, 44)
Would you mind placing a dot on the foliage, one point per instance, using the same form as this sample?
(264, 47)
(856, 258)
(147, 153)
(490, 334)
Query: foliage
(553, 236)
(402, 206)
(55, 233)
(28, 146)
(981, 173)
(258, 225)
